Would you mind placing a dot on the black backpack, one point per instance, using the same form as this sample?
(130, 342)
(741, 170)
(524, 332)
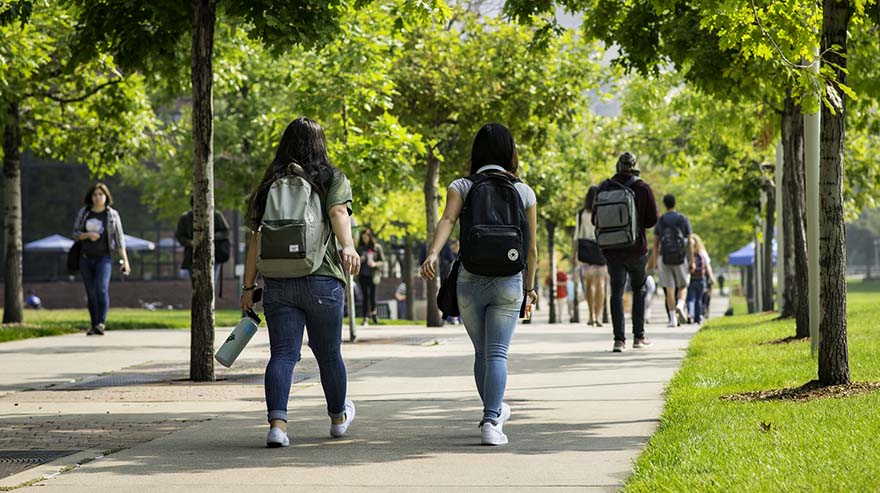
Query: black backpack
(494, 230)
(222, 251)
(588, 250)
(673, 244)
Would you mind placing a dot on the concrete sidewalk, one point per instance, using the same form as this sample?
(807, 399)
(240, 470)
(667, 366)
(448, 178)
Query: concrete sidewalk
(580, 414)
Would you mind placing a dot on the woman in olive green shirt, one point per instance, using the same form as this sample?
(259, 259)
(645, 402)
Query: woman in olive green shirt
(314, 302)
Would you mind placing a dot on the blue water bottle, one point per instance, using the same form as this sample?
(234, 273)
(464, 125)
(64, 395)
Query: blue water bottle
(239, 338)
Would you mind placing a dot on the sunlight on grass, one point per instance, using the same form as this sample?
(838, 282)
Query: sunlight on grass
(706, 444)
(41, 323)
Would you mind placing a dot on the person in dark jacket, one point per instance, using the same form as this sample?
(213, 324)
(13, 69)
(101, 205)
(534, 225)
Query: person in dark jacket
(184, 236)
(631, 260)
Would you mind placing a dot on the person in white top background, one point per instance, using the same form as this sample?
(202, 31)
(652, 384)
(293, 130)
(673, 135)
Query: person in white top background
(593, 271)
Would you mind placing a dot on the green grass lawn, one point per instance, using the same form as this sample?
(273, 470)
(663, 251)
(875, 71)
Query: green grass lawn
(706, 444)
(40, 323)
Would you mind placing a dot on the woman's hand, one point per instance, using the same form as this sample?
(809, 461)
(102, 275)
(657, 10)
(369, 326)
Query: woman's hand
(351, 261)
(247, 300)
(125, 267)
(90, 236)
(531, 297)
(428, 269)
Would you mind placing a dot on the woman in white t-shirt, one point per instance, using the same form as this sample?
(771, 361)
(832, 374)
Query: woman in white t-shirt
(490, 304)
(590, 259)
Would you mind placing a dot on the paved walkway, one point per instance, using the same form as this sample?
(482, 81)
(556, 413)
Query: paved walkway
(581, 414)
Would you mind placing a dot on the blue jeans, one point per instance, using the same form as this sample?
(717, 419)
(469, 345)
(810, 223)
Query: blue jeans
(618, 270)
(489, 308)
(96, 277)
(290, 305)
(695, 298)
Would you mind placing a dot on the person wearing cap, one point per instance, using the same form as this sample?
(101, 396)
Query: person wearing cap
(632, 260)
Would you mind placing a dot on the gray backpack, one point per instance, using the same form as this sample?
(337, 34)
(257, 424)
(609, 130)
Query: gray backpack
(617, 220)
(293, 238)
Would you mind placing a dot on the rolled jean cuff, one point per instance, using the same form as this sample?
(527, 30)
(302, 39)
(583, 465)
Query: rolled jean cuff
(282, 415)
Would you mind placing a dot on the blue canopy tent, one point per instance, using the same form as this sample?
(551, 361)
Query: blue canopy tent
(58, 243)
(138, 244)
(53, 243)
(745, 256)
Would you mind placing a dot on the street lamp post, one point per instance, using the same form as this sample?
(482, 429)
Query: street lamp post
(877, 252)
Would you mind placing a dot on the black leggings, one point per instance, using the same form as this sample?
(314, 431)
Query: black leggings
(368, 295)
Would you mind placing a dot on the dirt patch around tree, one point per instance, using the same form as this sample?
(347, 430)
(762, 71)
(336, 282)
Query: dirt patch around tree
(809, 391)
(786, 340)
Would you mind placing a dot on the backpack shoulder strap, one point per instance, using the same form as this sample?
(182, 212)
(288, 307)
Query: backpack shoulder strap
(632, 179)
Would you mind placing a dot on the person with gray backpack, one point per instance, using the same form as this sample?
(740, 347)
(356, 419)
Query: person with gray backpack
(623, 208)
(674, 247)
(298, 213)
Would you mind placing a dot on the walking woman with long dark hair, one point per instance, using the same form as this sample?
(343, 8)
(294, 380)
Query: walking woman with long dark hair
(99, 229)
(295, 212)
(372, 260)
(499, 221)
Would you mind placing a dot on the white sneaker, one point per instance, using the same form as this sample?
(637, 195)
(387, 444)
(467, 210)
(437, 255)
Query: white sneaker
(337, 431)
(277, 438)
(679, 313)
(491, 434)
(673, 322)
(505, 415)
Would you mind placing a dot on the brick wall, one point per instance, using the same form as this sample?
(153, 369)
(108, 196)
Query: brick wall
(128, 294)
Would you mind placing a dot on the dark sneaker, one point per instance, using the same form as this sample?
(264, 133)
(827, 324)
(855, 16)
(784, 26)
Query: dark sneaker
(93, 332)
(619, 346)
(642, 342)
(99, 329)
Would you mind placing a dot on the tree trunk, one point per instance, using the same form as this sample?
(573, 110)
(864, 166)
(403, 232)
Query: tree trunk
(786, 256)
(833, 352)
(201, 367)
(767, 290)
(794, 182)
(12, 295)
(575, 280)
(408, 279)
(551, 296)
(432, 180)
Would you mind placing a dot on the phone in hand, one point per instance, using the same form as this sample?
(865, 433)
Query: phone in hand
(258, 295)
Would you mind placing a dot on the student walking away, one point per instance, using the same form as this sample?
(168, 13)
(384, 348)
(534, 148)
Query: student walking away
(591, 262)
(561, 294)
(400, 296)
(303, 270)
(701, 277)
(650, 289)
(222, 246)
(372, 260)
(499, 219)
(672, 244)
(623, 208)
(98, 229)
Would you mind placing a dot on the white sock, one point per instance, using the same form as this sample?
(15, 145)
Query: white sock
(672, 315)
